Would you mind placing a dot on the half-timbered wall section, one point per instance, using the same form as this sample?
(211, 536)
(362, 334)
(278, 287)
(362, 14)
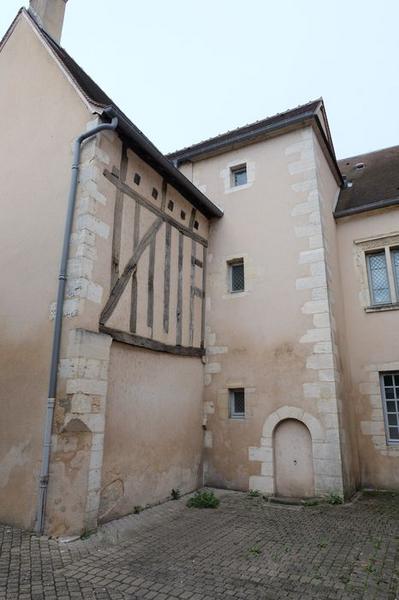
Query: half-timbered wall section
(157, 271)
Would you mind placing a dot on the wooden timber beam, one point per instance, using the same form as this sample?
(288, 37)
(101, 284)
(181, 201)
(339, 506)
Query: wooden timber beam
(203, 308)
(124, 188)
(118, 211)
(128, 271)
(166, 288)
(142, 342)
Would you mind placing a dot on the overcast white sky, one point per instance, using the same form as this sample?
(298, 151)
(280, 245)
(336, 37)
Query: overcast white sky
(185, 70)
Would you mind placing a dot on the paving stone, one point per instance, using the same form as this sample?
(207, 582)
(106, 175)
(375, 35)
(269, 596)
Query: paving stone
(246, 549)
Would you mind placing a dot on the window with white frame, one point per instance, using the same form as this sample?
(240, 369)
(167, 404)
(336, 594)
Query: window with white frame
(383, 276)
(236, 275)
(390, 399)
(239, 175)
(237, 403)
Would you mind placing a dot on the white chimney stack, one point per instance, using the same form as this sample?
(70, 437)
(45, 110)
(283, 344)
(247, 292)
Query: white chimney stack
(49, 14)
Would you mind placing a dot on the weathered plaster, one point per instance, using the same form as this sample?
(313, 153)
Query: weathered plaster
(84, 375)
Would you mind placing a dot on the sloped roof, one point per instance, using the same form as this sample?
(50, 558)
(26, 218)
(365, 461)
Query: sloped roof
(246, 131)
(132, 134)
(373, 186)
(88, 86)
(371, 182)
(311, 113)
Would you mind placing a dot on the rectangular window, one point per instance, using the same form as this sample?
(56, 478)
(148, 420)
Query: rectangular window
(378, 278)
(237, 403)
(236, 275)
(395, 269)
(390, 393)
(239, 175)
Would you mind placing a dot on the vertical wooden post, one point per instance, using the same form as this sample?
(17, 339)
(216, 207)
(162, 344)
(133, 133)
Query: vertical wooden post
(192, 293)
(118, 213)
(150, 286)
(204, 256)
(166, 289)
(179, 307)
(133, 301)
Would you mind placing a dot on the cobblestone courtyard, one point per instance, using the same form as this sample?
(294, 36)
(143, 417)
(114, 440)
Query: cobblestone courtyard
(245, 549)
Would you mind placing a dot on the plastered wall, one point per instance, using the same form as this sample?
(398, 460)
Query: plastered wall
(108, 229)
(372, 340)
(280, 348)
(34, 187)
(153, 430)
(153, 417)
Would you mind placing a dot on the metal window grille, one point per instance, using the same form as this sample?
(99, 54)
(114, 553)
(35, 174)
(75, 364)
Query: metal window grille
(237, 403)
(390, 393)
(237, 279)
(378, 278)
(239, 175)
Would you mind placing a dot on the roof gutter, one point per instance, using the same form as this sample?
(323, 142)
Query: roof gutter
(234, 138)
(163, 165)
(55, 350)
(347, 212)
(219, 145)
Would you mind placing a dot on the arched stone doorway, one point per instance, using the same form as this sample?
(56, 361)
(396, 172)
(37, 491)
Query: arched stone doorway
(326, 463)
(293, 460)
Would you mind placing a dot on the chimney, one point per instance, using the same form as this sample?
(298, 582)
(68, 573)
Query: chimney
(49, 14)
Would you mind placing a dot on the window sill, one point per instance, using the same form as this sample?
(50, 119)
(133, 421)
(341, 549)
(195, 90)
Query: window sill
(237, 188)
(382, 308)
(235, 295)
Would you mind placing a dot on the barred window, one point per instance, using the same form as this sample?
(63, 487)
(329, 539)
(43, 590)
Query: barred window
(390, 393)
(239, 175)
(236, 275)
(378, 278)
(237, 403)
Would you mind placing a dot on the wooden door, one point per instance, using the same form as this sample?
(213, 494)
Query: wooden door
(293, 460)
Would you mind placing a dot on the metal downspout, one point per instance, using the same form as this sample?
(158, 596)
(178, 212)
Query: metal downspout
(55, 351)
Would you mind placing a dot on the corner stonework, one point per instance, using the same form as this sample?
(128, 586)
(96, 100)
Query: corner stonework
(78, 429)
(314, 285)
(83, 375)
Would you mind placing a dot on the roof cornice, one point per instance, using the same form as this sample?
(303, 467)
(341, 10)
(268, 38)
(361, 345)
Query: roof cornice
(236, 139)
(379, 204)
(259, 132)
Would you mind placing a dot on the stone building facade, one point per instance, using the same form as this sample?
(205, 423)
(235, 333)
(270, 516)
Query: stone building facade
(230, 310)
